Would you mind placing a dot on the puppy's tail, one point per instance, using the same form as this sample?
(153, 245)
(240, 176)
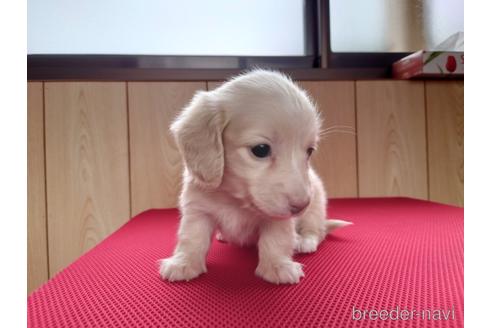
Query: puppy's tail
(333, 224)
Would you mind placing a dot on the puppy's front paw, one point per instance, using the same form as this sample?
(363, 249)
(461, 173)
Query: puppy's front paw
(283, 272)
(178, 268)
(220, 237)
(306, 244)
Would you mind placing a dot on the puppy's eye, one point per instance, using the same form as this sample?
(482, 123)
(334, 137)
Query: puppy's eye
(310, 151)
(261, 151)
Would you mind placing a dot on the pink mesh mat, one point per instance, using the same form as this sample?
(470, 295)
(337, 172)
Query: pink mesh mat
(401, 255)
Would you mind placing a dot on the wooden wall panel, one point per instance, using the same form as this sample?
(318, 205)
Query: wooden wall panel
(211, 85)
(93, 134)
(156, 166)
(87, 166)
(336, 160)
(445, 133)
(391, 139)
(37, 245)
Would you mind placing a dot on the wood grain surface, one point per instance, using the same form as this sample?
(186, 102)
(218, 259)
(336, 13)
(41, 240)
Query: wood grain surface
(87, 166)
(156, 166)
(37, 245)
(445, 131)
(391, 139)
(211, 85)
(336, 160)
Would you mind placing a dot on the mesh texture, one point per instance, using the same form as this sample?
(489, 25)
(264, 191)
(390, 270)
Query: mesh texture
(399, 253)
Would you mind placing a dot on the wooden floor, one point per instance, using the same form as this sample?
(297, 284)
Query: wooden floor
(100, 152)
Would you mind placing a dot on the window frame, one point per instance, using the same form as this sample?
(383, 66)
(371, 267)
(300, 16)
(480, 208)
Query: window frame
(319, 63)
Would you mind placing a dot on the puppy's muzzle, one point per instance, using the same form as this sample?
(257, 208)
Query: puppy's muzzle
(296, 208)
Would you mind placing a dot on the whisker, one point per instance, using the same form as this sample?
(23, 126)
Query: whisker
(337, 131)
(338, 127)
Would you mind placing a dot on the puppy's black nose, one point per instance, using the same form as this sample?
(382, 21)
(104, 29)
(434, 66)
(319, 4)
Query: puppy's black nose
(296, 208)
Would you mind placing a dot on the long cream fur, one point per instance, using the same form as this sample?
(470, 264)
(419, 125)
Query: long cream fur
(246, 199)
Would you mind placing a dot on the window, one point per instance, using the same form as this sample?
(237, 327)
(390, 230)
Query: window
(167, 27)
(392, 25)
(130, 39)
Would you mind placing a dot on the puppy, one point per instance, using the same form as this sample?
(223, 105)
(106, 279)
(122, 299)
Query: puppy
(246, 147)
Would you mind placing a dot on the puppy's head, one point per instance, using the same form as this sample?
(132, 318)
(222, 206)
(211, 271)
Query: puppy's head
(252, 138)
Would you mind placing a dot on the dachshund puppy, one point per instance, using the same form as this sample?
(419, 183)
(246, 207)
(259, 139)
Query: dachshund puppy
(246, 147)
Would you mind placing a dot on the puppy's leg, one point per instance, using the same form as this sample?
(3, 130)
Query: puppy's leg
(311, 226)
(188, 260)
(275, 247)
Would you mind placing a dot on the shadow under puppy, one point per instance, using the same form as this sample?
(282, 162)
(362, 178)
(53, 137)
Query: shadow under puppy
(246, 148)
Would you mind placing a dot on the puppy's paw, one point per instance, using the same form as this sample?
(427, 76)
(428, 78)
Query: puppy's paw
(178, 268)
(219, 237)
(283, 272)
(306, 244)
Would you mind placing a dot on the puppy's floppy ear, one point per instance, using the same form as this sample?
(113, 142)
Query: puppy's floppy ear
(198, 133)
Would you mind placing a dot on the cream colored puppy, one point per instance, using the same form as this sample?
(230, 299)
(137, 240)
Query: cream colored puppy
(246, 148)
